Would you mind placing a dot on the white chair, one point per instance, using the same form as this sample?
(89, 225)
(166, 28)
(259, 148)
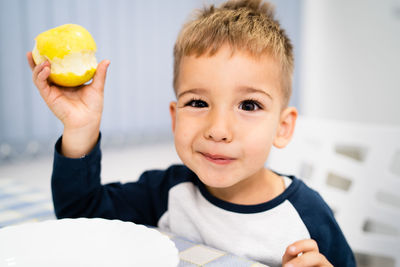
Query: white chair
(356, 169)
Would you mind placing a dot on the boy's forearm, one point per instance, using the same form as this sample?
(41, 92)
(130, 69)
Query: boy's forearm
(73, 182)
(77, 143)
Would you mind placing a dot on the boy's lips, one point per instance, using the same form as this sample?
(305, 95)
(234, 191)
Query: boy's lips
(217, 159)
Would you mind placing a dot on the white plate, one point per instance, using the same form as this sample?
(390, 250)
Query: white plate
(85, 242)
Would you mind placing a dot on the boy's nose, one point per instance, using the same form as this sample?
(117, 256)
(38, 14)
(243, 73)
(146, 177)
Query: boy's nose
(218, 128)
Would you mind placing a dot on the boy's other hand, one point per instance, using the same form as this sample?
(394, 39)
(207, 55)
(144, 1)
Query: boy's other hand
(304, 253)
(79, 108)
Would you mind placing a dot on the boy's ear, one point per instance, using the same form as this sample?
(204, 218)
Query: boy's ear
(172, 112)
(286, 127)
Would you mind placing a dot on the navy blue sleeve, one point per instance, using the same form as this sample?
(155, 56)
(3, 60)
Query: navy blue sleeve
(78, 192)
(322, 226)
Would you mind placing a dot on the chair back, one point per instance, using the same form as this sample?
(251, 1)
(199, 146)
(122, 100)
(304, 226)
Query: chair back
(356, 169)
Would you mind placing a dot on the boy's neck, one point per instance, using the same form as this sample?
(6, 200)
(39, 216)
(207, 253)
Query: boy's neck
(259, 188)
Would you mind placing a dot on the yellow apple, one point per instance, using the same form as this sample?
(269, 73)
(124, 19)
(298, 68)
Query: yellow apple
(71, 51)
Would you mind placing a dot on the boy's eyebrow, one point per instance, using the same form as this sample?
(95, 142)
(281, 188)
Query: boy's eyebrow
(193, 91)
(254, 90)
(244, 89)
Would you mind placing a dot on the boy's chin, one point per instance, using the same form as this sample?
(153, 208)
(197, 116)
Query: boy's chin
(217, 177)
(229, 178)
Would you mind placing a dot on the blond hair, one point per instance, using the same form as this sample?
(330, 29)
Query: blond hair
(247, 25)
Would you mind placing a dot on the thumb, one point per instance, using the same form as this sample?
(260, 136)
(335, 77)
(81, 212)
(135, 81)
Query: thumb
(99, 78)
(290, 254)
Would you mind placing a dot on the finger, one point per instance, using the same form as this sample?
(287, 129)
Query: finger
(37, 69)
(302, 246)
(312, 258)
(30, 60)
(290, 254)
(100, 76)
(41, 73)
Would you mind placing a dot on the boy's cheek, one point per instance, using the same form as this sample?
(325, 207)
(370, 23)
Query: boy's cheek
(182, 135)
(183, 149)
(185, 126)
(257, 144)
(257, 153)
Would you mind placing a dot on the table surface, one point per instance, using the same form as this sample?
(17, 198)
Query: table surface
(21, 202)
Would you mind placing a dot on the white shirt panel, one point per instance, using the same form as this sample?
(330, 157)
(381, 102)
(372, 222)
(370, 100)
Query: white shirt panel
(261, 236)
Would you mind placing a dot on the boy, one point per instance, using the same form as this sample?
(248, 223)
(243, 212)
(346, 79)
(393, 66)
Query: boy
(232, 79)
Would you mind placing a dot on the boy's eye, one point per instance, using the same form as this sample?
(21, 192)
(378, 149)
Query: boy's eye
(196, 103)
(249, 105)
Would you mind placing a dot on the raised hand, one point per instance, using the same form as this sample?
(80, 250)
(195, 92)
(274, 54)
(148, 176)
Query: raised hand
(78, 108)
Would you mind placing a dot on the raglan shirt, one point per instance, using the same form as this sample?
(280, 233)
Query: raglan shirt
(177, 201)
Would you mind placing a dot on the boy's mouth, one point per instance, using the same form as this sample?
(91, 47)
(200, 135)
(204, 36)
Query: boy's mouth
(217, 159)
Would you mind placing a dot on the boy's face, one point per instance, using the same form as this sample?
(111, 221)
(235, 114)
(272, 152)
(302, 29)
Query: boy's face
(228, 114)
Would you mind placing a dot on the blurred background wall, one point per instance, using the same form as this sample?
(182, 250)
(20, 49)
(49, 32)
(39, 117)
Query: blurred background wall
(350, 60)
